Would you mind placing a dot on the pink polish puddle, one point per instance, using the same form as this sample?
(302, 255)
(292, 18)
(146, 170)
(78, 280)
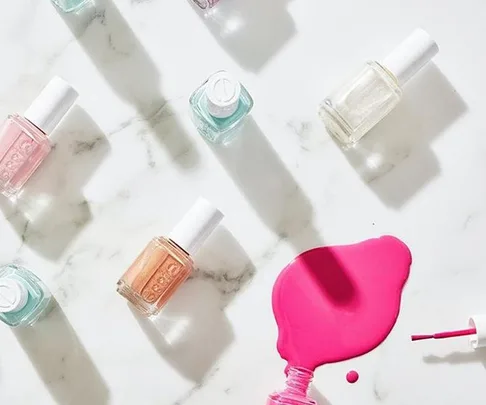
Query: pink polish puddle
(352, 377)
(335, 303)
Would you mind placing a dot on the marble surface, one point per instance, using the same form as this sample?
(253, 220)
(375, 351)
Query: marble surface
(128, 163)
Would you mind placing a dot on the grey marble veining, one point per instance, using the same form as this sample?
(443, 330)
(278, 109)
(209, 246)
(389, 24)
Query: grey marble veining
(127, 163)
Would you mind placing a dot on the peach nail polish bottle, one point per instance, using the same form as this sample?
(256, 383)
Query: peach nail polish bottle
(24, 141)
(167, 262)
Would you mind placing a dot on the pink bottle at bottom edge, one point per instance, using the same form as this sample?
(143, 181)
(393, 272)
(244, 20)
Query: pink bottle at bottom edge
(24, 142)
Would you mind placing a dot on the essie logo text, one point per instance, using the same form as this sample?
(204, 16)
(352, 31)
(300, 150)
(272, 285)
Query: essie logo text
(161, 280)
(15, 157)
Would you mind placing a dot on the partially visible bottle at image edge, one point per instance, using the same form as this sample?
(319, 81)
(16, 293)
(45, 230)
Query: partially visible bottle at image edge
(24, 141)
(219, 107)
(296, 391)
(360, 103)
(166, 263)
(71, 6)
(24, 298)
(205, 4)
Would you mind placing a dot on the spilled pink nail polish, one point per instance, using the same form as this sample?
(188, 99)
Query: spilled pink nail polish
(335, 303)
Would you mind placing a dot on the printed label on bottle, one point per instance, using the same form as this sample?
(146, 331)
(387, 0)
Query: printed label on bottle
(161, 280)
(16, 156)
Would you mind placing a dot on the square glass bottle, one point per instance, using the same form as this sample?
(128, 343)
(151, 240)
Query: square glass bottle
(360, 103)
(24, 141)
(166, 263)
(219, 107)
(24, 298)
(71, 6)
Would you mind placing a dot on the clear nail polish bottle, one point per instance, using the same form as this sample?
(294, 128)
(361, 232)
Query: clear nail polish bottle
(167, 262)
(24, 298)
(205, 4)
(70, 6)
(219, 107)
(24, 142)
(360, 103)
(296, 389)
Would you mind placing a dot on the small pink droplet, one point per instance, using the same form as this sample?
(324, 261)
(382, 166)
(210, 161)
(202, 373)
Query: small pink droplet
(352, 376)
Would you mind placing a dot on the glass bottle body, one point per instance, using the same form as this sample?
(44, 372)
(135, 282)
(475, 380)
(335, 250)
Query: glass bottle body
(219, 130)
(38, 301)
(155, 275)
(295, 391)
(69, 6)
(358, 105)
(23, 147)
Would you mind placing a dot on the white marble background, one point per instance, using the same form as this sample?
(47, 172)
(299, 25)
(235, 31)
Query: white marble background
(128, 163)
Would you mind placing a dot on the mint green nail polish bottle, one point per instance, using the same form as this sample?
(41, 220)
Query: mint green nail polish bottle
(70, 6)
(24, 298)
(219, 107)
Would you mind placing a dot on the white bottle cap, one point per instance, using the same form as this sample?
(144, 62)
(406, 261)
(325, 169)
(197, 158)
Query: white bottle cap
(411, 56)
(479, 323)
(191, 232)
(223, 94)
(13, 295)
(51, 105)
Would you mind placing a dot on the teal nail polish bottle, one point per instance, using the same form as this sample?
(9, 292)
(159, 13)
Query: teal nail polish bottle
(23, 296)
(219, 107)
(69, 6)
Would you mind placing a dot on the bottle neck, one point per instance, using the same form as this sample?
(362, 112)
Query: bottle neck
(298, 380)
(174, 243)
(296, 387)
(39, 128)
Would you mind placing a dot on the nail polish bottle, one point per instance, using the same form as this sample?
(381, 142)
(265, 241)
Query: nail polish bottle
(219, 107)
(359, 104)
(70, 6)
(296, 389)
(24, 142)
(167, 262)
(205, 4)
(24, 298)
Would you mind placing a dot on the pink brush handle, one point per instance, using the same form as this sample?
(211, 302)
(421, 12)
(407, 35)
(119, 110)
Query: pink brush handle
(455, 333)
(446, 335)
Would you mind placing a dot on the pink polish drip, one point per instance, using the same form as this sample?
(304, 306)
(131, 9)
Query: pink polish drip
(335, 303)
(352, 377)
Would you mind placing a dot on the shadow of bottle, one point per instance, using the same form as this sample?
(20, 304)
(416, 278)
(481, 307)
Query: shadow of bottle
(395, 158)
(283, 207)
(62, 362)
(224, 264)
(51, 209)
(269, 187)
(128, 69)
(192, 330)
(315, 394)
(241, 28)
(457, 358)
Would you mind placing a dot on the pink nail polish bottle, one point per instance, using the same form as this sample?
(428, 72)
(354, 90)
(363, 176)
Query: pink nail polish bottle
(24, 142)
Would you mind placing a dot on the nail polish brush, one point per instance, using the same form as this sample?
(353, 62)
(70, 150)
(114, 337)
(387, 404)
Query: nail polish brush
(476, 331)
(445, 335)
